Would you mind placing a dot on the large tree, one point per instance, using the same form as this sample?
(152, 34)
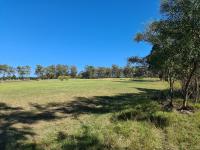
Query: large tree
(23, 71)
(10, 72)
(175, 39)
(139, 65)
(61, 70)
(3, 70)
(89, 73)
(128, 71)
(116, 71)
(40, 71)
(73, 71)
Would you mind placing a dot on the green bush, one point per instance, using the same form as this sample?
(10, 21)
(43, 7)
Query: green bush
(61, 78)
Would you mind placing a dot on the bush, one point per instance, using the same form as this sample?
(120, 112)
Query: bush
(61, 78)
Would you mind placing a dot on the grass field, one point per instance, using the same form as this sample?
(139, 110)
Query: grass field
(92, 114)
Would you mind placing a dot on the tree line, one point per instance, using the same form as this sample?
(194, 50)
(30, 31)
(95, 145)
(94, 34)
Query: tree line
(49, 72)
(175, 54)
(134, 68)
(54, 71)
(9, 72)
(131, 70)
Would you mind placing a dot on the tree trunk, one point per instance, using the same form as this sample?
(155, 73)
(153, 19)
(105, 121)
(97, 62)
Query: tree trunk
(186, 89)
(171, 83)
(185, 101)
(197, 90)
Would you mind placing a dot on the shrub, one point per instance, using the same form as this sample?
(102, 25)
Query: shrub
(61, 78)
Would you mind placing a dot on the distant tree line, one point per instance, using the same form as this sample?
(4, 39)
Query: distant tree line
(9, 72)
(49, 72)
(136, 67)
(54, 71)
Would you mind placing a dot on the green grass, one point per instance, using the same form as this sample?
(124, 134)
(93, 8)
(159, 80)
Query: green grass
(92, 114)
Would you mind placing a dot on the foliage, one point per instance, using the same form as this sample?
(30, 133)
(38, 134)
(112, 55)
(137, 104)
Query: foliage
(23, 71)
(73, 71)
(176, 50)
(61, 78)
(39, 71)
(90, 72)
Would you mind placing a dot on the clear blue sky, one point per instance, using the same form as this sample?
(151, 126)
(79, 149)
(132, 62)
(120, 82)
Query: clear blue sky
(74, 32)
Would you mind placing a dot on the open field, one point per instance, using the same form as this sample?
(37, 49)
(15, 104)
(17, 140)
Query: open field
(92, 114)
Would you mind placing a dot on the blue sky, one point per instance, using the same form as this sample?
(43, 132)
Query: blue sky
(73, 32)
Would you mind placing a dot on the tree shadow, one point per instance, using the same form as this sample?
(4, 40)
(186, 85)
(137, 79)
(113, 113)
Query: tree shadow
(102, 104)
(136, 106)
(84, 141)
(4, 107)
(137, 80)
(143, 114)
(12, 137)
(141, 106)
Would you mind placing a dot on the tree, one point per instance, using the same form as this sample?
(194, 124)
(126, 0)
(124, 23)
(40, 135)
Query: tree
(61, 70)
(184, 16)
(50, 72)
(10, 72)
(3, 70)
(116, 71)
(128, 71)
(140, 66)
(162, 61)
(27, 71)
(175, 38)
(101, 72)
(161, 57)
(40, 71)
(108, 72)
(23, 71)
(90, 72)
(73, 71)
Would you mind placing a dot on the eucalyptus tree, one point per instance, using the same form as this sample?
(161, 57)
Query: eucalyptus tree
(50, 72)
(27, 70)
(184, 19)
(73, 71)
(175, 39)
(10, 72)
(139, 65)
(101, 72)
(163, 54)
(61, 70)
(116, 71)
(90, 72)
(128, 71)
(3, 70)
(23, 71)
(108, 72)
(40, 71)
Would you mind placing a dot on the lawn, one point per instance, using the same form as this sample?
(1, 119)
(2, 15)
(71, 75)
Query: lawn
(92, 114)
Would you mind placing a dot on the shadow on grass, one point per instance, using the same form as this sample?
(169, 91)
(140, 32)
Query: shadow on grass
(137, 80)
(142, 114)
(84, 141)
(8, 133)
(101, 104)
(136, 106)
(12, 137)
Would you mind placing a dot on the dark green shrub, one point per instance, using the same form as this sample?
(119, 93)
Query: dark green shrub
(61, 78)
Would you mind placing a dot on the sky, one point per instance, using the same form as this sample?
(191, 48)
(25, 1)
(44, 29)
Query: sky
(73, 32)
